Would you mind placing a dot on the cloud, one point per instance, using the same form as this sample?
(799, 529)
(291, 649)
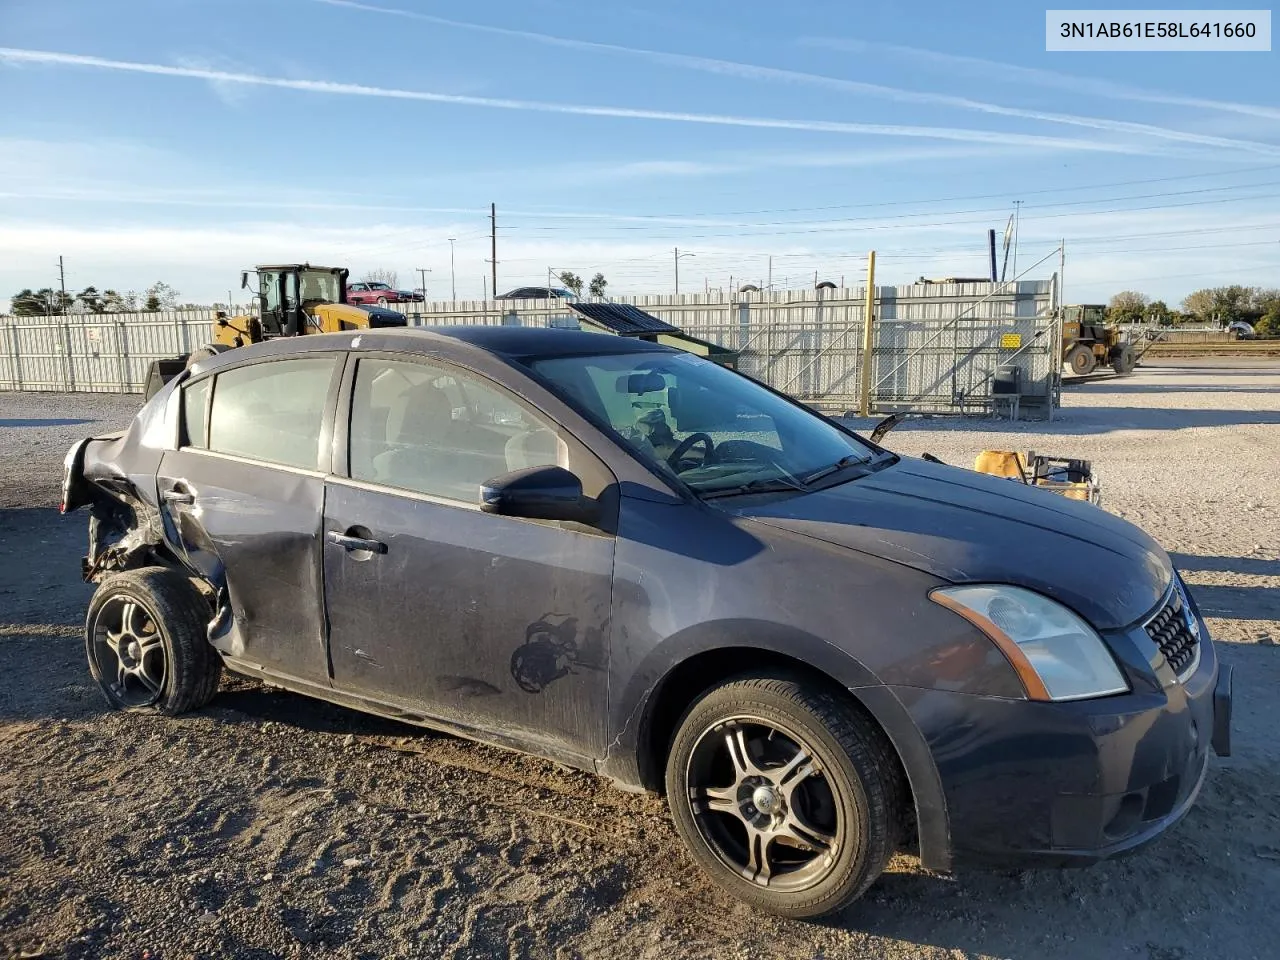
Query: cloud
(1106, 249)
(756, 72)
(1048, 78)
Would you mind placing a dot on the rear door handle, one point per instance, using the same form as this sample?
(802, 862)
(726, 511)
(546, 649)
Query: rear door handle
(355, 543)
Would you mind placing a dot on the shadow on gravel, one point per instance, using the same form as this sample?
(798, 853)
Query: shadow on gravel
(1078, 422)
(244, 701)
(1251, 566)
(1237, 603)
(1113, 386)
(50, 422)
(40, 553)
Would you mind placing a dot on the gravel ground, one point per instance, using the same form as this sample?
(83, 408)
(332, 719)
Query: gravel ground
(272, 826)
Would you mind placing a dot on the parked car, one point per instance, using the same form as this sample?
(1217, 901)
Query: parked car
(538, 293)
(1242, 330)
(380, 293)
(645, 565)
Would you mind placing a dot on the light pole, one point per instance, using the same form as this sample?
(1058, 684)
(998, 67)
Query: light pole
(453, 283)
(678, 256)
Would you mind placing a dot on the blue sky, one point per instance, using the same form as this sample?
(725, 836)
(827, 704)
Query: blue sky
(184, 140)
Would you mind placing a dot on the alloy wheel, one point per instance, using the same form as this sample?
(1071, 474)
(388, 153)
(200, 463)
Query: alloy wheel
(763, 804)
(129, 652)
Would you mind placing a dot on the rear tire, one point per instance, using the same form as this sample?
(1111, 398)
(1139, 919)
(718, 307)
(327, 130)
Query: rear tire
(812, 810)
(146, 642)
(1081, 360)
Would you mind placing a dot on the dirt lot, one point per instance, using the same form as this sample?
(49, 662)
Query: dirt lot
(272, 826)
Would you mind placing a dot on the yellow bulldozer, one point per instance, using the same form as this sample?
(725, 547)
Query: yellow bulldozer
(1089, 342)
(293, 299)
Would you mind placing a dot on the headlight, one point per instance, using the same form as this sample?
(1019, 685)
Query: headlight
(1056, 654)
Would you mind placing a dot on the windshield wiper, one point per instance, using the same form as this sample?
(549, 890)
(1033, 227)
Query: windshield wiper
(759, 485)
(840, 464)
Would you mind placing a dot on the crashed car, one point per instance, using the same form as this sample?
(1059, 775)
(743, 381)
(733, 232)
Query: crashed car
(642, 564)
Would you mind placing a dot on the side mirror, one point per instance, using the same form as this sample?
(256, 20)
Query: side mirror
(244, 279)
(538, 493)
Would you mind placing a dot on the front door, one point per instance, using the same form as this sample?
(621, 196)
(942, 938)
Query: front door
(244, 495)
(494, 623)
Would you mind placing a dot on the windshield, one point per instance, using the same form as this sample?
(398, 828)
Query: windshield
(712, 428)
(319, 287)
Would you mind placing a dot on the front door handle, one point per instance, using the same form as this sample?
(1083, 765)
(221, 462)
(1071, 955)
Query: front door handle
(178, 496)
(355, 543)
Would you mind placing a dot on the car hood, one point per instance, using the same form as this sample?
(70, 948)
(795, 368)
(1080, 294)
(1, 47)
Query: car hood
(968, 527)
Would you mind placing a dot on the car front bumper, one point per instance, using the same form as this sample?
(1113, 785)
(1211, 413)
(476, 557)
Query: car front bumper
(1029, 783)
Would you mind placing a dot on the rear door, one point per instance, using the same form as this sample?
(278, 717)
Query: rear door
(495, 623)
(244, 493)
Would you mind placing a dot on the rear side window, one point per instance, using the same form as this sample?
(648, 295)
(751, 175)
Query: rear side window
(272, 411)
(195, 410)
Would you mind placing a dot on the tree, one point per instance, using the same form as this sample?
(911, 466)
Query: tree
(92, 300)
(28, 303)
(1221, 304)
(1158, 311)
(572, 281)
(1269, 325)
(1127, 306)
(114, 302)
(160, 296)
(383, 275)
(598, 283)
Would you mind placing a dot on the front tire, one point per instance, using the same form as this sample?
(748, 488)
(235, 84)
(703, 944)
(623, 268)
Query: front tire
(1124, 361)
(146, 642)
(784, 794)
(1081, 360)
(382, 302)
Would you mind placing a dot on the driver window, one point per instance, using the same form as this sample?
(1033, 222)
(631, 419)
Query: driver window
(442, 432)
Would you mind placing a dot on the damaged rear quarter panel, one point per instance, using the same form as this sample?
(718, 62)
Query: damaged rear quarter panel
(114, 474)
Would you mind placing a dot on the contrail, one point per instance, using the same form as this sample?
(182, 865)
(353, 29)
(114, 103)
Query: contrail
(1050, 78)
(756, 72)
(16, 55)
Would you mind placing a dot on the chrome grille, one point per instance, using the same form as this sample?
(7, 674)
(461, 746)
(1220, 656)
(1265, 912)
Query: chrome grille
(1176, 633)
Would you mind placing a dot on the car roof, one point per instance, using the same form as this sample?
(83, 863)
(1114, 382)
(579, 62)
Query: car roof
(456, 342)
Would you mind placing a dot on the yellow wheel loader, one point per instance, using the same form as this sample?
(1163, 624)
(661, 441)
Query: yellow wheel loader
(1089, 342)
(293, 299)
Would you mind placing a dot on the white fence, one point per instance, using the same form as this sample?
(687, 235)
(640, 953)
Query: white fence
(935, 346)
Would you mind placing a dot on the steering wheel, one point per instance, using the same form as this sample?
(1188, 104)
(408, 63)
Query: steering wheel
(686, 445)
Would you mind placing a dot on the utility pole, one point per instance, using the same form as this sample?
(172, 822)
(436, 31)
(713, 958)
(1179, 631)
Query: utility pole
(1017, 211)
(678, 256)
(868, 323)
(484, 287)
(422, 272)
(770, 284)
(62, 278)
(453, 283)
(493, 245)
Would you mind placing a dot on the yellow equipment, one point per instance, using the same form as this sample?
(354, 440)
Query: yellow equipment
(293, 299)
(1070, 478)
(1089, 342)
